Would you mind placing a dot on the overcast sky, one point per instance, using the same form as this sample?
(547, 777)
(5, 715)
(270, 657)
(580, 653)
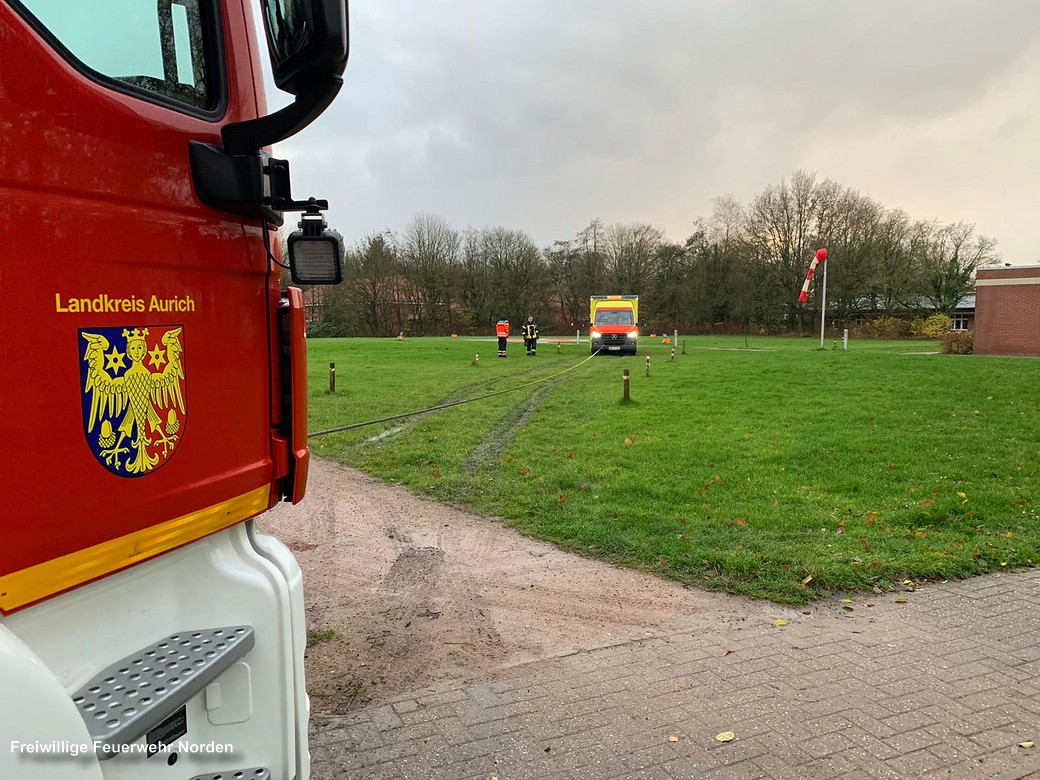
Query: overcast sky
(541, 115)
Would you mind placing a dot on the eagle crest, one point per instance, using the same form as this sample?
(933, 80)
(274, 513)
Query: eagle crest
(133, 396)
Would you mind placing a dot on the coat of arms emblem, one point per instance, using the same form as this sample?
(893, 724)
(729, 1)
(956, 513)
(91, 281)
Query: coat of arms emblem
(133, 396)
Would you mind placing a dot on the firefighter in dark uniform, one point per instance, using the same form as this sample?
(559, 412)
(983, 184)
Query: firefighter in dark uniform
(530, 333)
(502, 331)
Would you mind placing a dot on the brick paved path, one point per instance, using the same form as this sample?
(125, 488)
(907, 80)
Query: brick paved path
(944, 686)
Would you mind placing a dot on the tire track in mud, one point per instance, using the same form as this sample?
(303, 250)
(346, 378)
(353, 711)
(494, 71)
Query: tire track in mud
(487, 385)
(404, 593)
(491, 447)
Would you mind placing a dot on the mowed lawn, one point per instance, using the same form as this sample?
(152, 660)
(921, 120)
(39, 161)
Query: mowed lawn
(764, 466)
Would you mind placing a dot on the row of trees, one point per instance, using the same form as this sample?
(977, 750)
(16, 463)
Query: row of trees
(740, 269)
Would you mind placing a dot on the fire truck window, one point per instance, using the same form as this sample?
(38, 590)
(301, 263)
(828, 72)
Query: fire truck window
(152, 45)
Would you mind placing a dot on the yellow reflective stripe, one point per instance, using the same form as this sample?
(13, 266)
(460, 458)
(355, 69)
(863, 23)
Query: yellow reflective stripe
(68, 571)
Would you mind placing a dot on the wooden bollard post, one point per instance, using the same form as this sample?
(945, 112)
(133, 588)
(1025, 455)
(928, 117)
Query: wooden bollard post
(648, 365)
(624, 384)
(332, 377)
(684, 346)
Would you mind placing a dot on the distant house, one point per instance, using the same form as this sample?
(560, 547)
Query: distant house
(1007, 310)
(963, 316)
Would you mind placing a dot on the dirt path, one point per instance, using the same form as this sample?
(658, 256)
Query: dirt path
(405, 593)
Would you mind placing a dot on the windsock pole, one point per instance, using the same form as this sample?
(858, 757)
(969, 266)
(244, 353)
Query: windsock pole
(823, 314)
(820, 257)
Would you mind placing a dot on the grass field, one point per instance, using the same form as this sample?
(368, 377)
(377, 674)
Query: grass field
(766, 467)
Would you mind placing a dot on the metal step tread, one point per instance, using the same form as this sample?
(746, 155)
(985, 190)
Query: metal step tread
(254, 773)
(134, 695)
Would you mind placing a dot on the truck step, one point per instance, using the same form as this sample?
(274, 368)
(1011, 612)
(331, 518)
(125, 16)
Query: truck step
(255, 773)
(134, 695)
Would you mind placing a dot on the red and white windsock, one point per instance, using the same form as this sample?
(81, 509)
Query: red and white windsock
(821, 255)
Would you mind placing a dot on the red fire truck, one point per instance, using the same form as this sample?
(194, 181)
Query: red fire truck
(153, 385)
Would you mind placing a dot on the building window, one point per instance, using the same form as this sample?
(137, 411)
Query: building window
(960, 322)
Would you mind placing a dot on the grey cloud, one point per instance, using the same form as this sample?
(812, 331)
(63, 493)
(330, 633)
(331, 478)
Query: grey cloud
(541, 115)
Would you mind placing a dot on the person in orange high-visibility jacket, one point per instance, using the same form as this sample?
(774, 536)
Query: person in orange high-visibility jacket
(502, 331)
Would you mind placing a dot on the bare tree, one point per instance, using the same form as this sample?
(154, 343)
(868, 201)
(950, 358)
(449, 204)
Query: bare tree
(783, 231)
(372, 301)
(504, 273)
(631, 252)
(431, 251)
(577, 269)
(949, 264)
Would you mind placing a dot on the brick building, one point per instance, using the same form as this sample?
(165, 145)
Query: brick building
(1007, 310)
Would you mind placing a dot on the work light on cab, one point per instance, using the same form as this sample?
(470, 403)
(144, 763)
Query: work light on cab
(315, 252)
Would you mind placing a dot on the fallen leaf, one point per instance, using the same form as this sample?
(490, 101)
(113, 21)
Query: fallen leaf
(570, 454)
(1028, 744)
(673, 738)
(807, 580)
(871, 518)
(779, 622)
(847, 608)
(876, 589)
(847, 601)
(676, 688)
(725, 736)
(524, 471)
(908, 582)
(561, 499)
(739, 521)
(927, 502)
(900, 601)
(628, 441)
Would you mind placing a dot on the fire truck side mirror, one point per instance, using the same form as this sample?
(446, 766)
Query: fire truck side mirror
(308, 44)
(307, 41)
